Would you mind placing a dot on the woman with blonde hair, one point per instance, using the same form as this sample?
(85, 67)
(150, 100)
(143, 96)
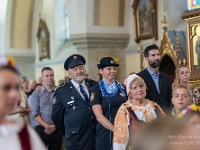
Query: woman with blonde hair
(183, 77)
(32, 84)
(14, 135)
(22, 109)
(135, 113)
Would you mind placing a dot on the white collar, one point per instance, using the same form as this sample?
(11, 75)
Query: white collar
(76, 85)
(8, 129)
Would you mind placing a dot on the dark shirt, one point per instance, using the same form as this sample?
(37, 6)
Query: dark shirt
(110, 106)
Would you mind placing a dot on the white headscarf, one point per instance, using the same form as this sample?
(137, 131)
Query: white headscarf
(129, 80)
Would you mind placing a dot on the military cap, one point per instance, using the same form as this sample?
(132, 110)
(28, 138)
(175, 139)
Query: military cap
(74, 60)
(107, 61)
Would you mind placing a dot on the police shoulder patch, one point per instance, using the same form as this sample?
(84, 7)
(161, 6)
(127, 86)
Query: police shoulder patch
(92, 96)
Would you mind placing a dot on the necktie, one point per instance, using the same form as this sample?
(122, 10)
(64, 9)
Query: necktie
(84, 94)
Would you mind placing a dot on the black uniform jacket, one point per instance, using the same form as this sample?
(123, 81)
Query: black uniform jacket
(164, 98)
(73, 117)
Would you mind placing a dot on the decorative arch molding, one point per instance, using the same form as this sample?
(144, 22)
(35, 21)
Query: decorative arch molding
(166, 48)
(169, 57)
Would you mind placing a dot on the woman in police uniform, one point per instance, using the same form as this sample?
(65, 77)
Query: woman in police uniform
(106, 98)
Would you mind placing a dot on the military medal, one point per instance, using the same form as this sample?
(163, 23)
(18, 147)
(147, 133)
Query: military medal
(54, 100)
(74, 107)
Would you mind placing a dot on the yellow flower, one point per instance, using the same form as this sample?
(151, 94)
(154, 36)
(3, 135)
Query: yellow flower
(11, 61)
(180, 115)
(194, 107)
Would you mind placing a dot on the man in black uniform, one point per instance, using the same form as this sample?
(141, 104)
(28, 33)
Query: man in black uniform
(71, 111)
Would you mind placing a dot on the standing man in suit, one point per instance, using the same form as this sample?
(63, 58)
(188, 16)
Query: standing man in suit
(71, 111)
(158, 84)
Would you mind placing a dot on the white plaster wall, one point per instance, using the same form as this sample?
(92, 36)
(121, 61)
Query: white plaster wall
(3, 20)
(77, 15)
(59, 24)
(174, 9)
(23, 57)
(81, 18)
(5, 17)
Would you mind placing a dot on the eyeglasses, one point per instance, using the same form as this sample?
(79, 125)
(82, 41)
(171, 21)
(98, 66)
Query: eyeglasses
(182, 73)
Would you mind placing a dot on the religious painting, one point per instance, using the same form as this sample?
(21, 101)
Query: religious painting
(193, 4)
(145, 12)
(43, 40)
(194, 49)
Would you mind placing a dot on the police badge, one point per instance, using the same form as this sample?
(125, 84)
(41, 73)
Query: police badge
(92, 96)
(122, 95)
(54, 100)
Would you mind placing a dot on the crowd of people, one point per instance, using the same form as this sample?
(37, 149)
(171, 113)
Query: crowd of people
(145, 112)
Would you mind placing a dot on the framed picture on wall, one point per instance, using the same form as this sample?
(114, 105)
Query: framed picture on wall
(145, 12)
(194, 49)
(43, 40)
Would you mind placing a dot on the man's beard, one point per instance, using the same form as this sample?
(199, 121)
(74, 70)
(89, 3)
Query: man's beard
(154, 64)
(80, 78)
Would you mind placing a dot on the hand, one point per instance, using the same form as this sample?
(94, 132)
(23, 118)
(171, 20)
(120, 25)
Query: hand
(49, 129)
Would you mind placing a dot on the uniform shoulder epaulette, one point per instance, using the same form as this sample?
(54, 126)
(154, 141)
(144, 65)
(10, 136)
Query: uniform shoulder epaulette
(61, 85)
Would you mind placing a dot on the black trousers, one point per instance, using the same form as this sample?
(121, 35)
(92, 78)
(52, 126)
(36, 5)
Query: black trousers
(52, 141)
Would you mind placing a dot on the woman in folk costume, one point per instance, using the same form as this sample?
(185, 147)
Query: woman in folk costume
(14, 135)
(135, 113)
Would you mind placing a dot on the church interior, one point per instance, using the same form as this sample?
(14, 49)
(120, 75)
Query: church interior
(40, 33)
(44, 33)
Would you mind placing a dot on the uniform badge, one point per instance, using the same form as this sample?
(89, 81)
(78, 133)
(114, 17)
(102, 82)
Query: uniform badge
(122, 95)
(74, 107)
(92, 96)
(54, 100)
(75, 57)
(112, 62)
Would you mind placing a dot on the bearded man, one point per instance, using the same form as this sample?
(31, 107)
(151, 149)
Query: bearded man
(158, 84)
(71, 110)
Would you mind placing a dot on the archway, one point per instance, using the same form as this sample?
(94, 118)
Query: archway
(167, 66)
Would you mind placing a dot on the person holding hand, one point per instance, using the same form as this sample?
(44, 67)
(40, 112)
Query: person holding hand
(41, 105)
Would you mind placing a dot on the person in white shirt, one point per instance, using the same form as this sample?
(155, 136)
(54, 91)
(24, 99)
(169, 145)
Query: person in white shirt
(13, 135)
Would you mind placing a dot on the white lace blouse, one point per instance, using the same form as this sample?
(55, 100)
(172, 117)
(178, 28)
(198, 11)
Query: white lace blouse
(9, 139)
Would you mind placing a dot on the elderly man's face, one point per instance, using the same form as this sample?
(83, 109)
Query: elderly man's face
(78, 73)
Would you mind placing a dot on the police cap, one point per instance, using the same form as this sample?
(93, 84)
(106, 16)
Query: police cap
(107, 61)
(74, 60)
